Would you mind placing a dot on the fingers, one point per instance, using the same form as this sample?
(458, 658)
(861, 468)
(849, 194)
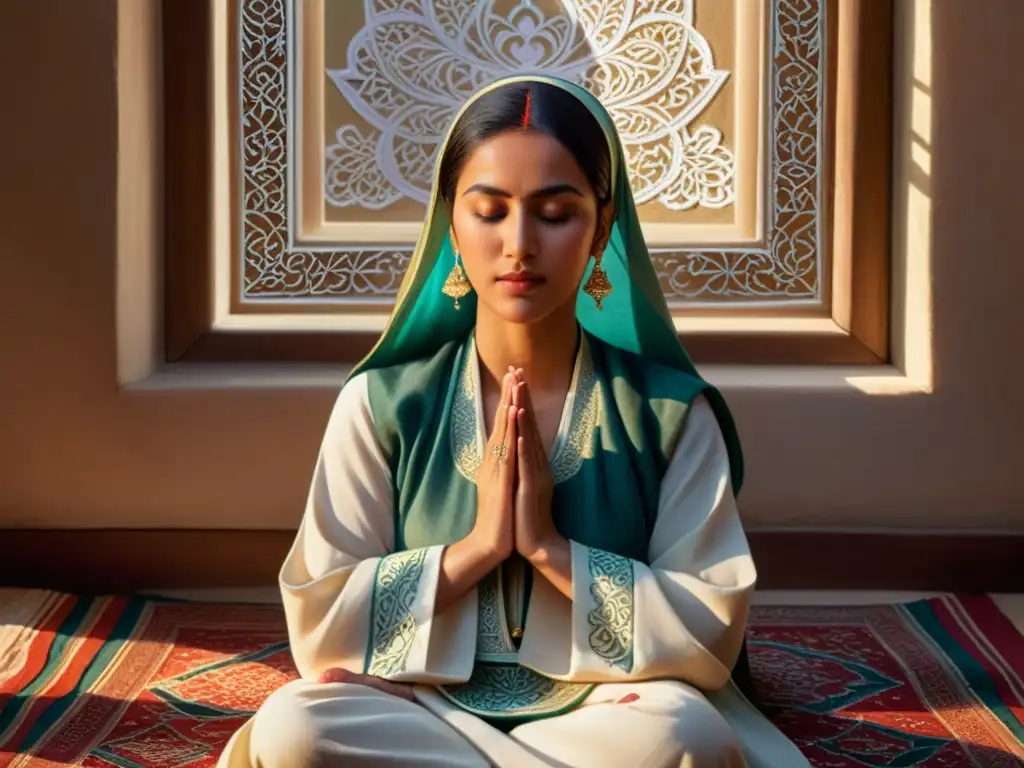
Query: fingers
(335, 675)
(528, 427)
(501, 415)
(338, 675)
(517, 387)
(508, 467)
(526, 463)
(501, 447)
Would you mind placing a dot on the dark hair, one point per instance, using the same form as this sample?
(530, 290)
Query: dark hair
(531, 106)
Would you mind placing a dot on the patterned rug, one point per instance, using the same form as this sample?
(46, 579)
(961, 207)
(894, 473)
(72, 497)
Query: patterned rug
(130, 681)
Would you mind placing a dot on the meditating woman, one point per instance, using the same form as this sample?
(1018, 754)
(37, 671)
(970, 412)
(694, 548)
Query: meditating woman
(521, 545)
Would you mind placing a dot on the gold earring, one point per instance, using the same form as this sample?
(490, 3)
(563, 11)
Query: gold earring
(597, 286)
(456, 285)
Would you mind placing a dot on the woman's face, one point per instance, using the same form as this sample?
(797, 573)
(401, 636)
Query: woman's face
(525, 222)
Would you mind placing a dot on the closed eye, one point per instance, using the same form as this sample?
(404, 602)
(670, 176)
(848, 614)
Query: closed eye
(496, 217)
(560, 219)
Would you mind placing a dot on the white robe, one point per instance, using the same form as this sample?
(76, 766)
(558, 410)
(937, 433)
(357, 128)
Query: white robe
(689, 610)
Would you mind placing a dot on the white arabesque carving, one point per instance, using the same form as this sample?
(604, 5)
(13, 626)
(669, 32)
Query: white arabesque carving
(787, 270)
(414, 63)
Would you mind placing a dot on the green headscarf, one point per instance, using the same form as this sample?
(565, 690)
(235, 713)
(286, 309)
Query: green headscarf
(635, 317)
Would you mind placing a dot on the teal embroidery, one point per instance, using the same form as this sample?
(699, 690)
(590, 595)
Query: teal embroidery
(505, 691)
(611, 621)
(392, 626)
(493, 642)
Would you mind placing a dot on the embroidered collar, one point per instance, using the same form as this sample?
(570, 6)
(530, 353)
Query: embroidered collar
(574, 441)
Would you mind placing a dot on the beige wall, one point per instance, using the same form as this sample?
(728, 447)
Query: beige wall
(77, 452)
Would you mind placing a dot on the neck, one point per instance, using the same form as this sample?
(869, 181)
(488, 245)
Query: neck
(546, 350)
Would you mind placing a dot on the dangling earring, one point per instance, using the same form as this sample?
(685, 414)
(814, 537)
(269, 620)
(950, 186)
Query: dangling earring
(456, 285)
(597, 286)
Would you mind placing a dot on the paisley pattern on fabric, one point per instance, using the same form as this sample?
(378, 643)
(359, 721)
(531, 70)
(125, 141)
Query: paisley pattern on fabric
(393, 626)
(511, 691)
(611, 621)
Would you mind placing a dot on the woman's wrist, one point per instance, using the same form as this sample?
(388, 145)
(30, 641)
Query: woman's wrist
(540, 552)
(552, 558)
(464, 564)
(487, 548)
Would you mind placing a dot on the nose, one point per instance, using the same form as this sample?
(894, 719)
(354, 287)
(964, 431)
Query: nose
(519, 237)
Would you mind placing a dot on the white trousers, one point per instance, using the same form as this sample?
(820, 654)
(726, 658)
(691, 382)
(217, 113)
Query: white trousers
(667, 724)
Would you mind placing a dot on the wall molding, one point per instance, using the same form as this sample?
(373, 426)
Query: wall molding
(204, 325)
(109, 560)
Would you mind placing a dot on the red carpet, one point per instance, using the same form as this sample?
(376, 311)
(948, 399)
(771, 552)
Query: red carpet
(132, 682)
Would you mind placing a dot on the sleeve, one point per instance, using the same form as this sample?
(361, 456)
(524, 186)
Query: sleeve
(350, 601)
(683, 617)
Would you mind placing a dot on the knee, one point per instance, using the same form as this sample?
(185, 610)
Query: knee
(707, 739)
(285, 733)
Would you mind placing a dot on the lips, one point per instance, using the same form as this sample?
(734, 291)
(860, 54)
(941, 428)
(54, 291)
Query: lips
(520, 283)
(521, 277)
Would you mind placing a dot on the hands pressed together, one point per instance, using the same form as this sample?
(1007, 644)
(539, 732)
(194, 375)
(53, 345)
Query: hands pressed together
(514, 493)
(514, 484)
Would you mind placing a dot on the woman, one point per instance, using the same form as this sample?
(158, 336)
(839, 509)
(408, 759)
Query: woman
(521, 545)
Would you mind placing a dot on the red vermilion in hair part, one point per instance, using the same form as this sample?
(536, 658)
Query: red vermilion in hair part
(526, 111)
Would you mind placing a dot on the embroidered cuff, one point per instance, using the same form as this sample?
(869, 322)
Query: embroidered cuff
(603, 607)
(402, 612)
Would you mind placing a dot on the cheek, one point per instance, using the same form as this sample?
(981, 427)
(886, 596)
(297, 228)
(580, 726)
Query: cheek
(574, 237)
(568, 247)
(477, 240)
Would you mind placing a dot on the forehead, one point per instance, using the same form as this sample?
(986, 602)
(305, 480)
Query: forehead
(520, 162)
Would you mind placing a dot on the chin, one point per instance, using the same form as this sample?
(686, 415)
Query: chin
(523, 310)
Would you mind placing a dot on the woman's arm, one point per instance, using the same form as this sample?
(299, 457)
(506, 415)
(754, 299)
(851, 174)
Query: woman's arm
(491, 541)
(350, 601)
(684, 615)
(463, 565)
(553, 560)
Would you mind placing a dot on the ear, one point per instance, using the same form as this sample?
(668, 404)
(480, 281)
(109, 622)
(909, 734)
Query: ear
(605, 219)
(451, 236)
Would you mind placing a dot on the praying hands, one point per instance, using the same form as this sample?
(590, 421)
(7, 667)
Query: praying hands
(535, 535)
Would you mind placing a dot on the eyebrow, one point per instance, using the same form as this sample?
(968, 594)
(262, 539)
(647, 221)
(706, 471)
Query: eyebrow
(554, 189)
